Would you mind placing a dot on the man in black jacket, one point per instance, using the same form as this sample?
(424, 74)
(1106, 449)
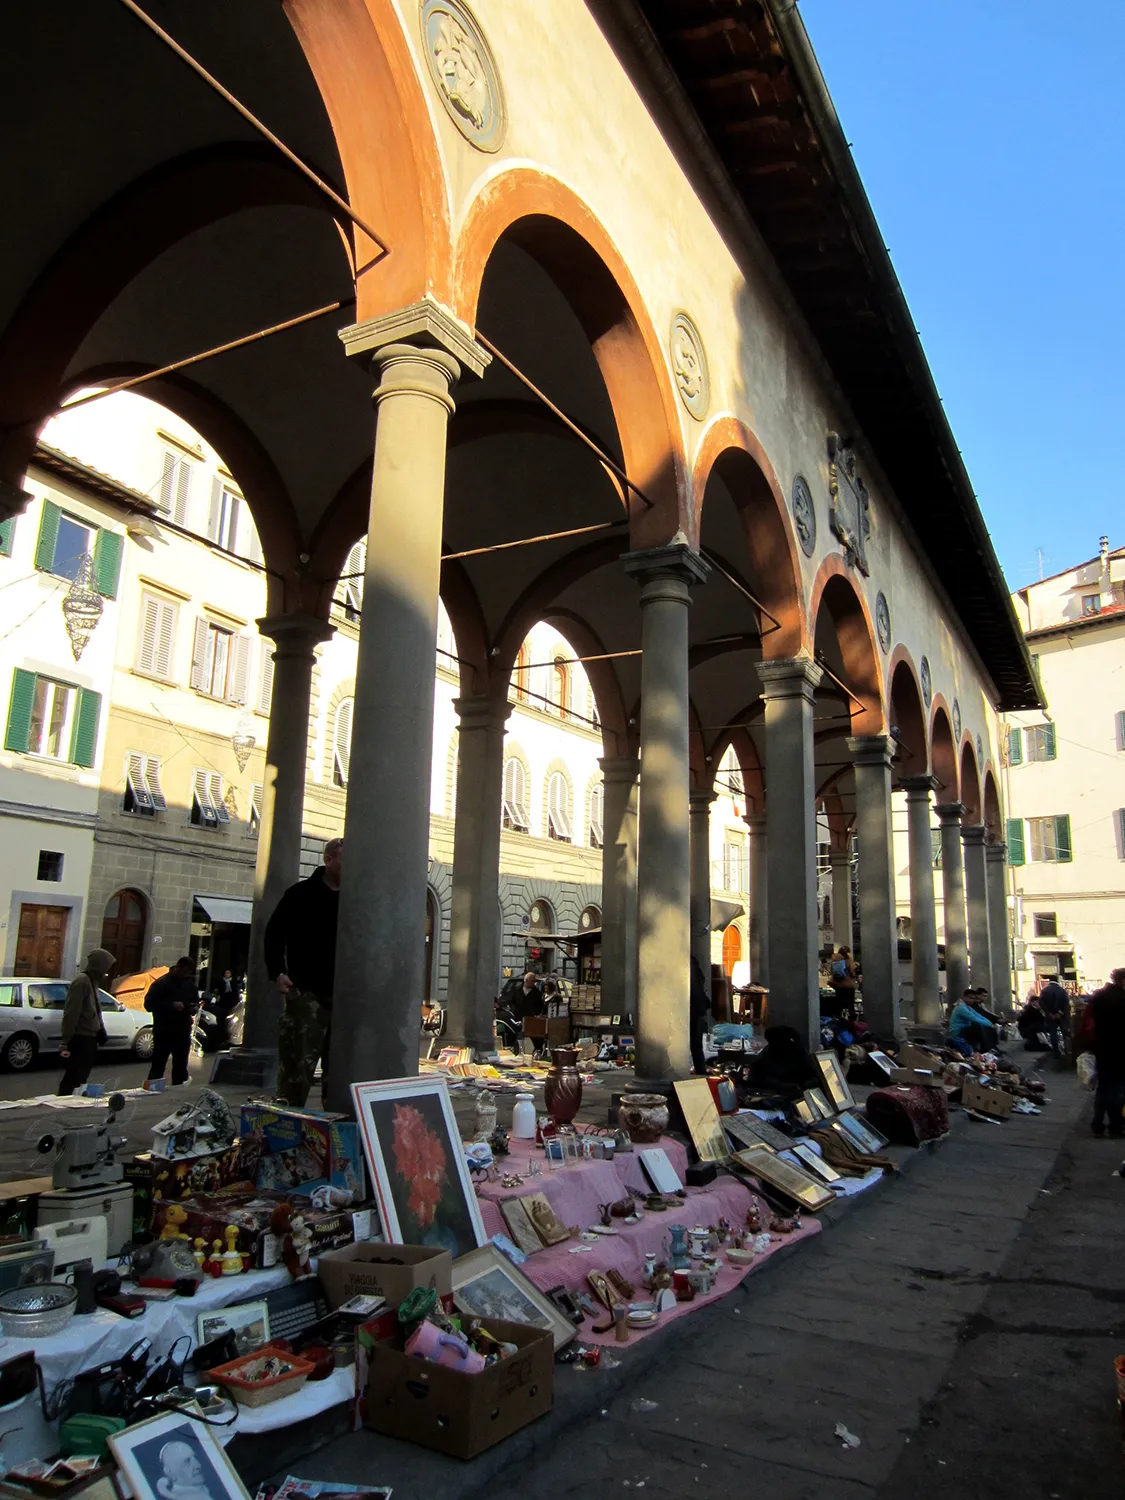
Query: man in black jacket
(300, 948)
(173, 1000)
(1108, 1007)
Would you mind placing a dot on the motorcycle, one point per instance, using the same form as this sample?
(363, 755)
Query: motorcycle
(212, 1030)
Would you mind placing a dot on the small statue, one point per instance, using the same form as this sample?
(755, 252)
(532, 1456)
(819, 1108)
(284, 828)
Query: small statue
(232, 1260)
(199, 1251)
(296, 1239)
(214, 1264)
(174, 1218)
(485, 1115)
(498, 1140)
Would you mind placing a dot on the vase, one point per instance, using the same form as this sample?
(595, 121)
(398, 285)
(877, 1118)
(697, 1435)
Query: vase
(644, 1116)
(562, 1091)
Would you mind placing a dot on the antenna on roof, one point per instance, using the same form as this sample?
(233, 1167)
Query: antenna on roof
(1039, 551)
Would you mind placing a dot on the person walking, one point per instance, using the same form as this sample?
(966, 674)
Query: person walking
(172, 1000)
(699, 1008)
(83, 1030)
(1108, 1009)
(300, 949)
(1054, 1002)
(844, 981)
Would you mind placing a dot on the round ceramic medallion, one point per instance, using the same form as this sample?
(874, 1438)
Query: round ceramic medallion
(956, 722)
(804, 515)
(883, 621)
(689, 366)
(927, 681)
(464, 72)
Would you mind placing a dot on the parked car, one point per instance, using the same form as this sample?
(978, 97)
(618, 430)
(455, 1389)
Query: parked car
(31, 1022)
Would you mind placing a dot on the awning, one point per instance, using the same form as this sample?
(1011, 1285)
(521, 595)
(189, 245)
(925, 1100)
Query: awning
(224, 909)
(723, 913)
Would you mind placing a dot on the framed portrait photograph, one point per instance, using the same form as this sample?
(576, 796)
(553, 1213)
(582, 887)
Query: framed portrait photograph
(786, 1178)
(702, 1119)
(860, 1133)
(834, 1080)
(248, 1321)
(487, 1285)
(747, 1130)
(172, 1457)
(417, 1163)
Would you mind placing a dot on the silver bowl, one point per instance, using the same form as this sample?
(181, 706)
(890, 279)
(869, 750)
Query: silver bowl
(35, 1312)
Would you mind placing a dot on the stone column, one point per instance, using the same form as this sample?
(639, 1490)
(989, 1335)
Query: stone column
(278, 862)
(996, 866)
(841, 863)
(923, 917)
(663, 836)
(699, 803)
(474, 937)
(619, 885)
(788, 689)
(872, 756)
(380, 952)
(759, 900)
(953, 901)
(976, 900)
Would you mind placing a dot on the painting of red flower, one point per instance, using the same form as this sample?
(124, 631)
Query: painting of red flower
(420, 1159)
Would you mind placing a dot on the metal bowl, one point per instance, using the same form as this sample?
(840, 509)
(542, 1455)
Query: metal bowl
(35, 1312)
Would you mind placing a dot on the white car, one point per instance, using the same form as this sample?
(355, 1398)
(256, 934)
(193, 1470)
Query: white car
(31, 1022)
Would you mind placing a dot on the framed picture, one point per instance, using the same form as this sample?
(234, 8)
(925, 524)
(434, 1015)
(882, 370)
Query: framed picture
(172, 1457)
(702, 1119)
(882, 1061)
(786, 1178)
(417, 1164)
(248, 1321)
(805, 1112)
(860, 1133)
(747, 1130)
(543, 1219)
(834, 1079)
(661, 1172)
(520, 1227)
(814, 1163)
(487, 1285)
(819, 1105)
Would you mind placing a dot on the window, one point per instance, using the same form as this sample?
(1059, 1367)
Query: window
(935, 846)
(560, 688)
(597, 815)
(175, 486)
(1119, 725)
(46, 996)
(592, 710)
(1045, 923)
(1091, 604)
(158, 625)
(222, 518)
(522, 674)
(7, 532)
(208, 809)
(65, 540)
(342, 743)
(1040, 742)
(50, 865)
(730, 775)
(352, 580)
(9, 994)
(1048, 840)
(143, 792)
(558, 808)
(733, 865)
(220, 662)
(514, 814)
(254, 821)
(52, 719)
(265, 678)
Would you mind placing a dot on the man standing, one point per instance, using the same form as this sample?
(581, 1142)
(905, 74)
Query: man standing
(300, 946)
(699, 1008)
(173, 1000)
(1054, 1002)
(1108, 1007)
(82, 1026)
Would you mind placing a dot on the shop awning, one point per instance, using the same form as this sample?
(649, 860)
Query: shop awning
(723, 913)
(224, 909)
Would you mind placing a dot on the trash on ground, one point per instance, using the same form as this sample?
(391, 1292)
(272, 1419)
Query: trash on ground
(848, 1439)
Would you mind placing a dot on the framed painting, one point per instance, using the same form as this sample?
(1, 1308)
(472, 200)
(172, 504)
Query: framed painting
(819, 1104)
(747, 1130)
(786, 1178)
(487, 1285)
(805, 1112)
(248, 1321)
(860, 1133)
(172, 1456)
(814, 1163)
(834, 1080)
(417, 1163)
(702, 1119)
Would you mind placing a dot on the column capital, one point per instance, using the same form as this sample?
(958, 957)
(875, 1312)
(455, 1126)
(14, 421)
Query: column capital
(996, 853)
(974, 834)
(700, 799)
(871, 749)
(675, 562)
(756, 822)
(423, 325)
(620, 770)
(839, 858)
(918, 786)
(296, 634)
(949, 812)
(789, 677)
(482, 712)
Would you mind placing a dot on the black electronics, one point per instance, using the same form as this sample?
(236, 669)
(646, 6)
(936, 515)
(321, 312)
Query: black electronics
(700, 1173)
(295, 1307)
(25, 1263)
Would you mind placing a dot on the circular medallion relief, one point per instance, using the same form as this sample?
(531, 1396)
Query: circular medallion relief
(804, 515)
(956, 722)
(464, 72)
(689, 366)
(883, 620)
(927, 681)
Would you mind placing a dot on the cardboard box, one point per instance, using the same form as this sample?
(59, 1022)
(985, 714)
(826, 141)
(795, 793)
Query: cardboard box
(153, 1177)
(455, 1413)
(912, 1076)
(302, 1150)
(910, 1056)
(377, 1270)
(994, 1102)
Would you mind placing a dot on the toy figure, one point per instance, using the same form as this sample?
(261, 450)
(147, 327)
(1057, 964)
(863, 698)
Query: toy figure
(200, 1248)
(174, 1217)
(296, 1239)
(232, 1260)
(214, 1266)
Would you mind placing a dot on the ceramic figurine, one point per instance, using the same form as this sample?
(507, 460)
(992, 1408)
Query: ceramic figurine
(650, 1269)
(498, 1140)
(214, 1264)
(754, 1222)
(677, 1249)
(174, 1218)
(232, 1261)
(486, 1116)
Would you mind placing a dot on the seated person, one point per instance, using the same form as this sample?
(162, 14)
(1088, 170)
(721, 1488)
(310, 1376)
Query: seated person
(1031, 1023)
(969, 1025)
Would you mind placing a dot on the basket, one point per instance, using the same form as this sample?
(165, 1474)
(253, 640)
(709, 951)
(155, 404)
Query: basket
(35, 1312)
(290, 1377)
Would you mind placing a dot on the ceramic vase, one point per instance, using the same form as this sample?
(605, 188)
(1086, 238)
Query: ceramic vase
(644, 1116)
(562, 1091)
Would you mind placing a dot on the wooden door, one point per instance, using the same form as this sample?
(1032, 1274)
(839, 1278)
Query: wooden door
(41, 939)
(123, 931)
(732, 949)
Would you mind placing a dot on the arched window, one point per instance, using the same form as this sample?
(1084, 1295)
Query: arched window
(732, 949)
(353, 580)
(522, 674)
(558, 809)
(342, 743)
(560, 687)
(514, 815)
(597, 815)
(590, 918)
(730, 775)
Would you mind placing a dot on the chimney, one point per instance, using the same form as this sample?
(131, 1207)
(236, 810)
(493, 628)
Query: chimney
(1104, 580)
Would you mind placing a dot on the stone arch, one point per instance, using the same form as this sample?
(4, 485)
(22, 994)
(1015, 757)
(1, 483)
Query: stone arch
(993, 817)
(907, 717)
(943, 753)
(970, 783)
(549, 222)
(835, 595)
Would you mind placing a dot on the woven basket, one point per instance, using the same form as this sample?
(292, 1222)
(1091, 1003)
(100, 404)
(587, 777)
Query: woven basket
(249, 1392)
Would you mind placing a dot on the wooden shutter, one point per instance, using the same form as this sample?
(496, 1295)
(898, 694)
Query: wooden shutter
(238, 671)
(1064, 853)
(1050, 750)
(135, 775)
(202, 793)
(152, 781)
(7, 531)
(48, 536)
(108, 547)
(183, 491)
(84, 737)
(1015, 747)
(165, 630)
(344, 738)
(199, 654)
(146, 645)
(19, 710)
(597, 814)
(231, 538)
(1120, 722)
(167, 483)
(215, 787)
(1016, 854)
(214, 515)
(265, 681)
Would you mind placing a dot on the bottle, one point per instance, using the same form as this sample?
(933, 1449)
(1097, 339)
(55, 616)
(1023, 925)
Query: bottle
(523, 1118)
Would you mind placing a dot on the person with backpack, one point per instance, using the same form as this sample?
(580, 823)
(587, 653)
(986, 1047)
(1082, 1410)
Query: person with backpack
(172, 1002)
(844, 981)
(83, 1030)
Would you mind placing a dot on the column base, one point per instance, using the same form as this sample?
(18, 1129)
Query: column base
(256, 1067)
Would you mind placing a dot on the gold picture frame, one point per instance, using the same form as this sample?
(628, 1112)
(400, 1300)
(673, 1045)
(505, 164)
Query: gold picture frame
(701, 1116)
(819, 1105)
(805, 1112)
(793, 1181)
(835, 1080)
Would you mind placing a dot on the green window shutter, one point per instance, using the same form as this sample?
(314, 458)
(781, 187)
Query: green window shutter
(1065, 852)
(1015, 841)
(84, 739)
(7, 531)
(107, 563)
(19, 710)
(48, 536)
(1015, 747)
(1050, 750)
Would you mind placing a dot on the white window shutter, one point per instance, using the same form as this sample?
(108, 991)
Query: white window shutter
(165, 627)
(135, 774)
(344, 738)
(353, 575)
(152, 780)
(167, 483)
(231, 538)
(265, 680)
(199, 654)
(146, 645)
(214, 514)
(202, 793)
(215, 787)
(183, 490)
(238, 672)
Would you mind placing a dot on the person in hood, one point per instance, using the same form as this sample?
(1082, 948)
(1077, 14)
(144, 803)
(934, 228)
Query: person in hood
(173, 1000)
(300, 946)
(82, 1028)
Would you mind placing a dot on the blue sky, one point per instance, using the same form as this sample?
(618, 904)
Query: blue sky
(990, 137)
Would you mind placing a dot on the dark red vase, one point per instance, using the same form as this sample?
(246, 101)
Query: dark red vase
(562, 1091)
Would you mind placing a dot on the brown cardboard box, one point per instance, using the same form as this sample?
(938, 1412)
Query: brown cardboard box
(377, 1270)
(910, 1056)
(994, 1102)
(455, 1413)
(911, 1076)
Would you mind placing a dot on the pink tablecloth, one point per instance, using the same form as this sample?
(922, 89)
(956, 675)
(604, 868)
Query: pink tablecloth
(575, 1193)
